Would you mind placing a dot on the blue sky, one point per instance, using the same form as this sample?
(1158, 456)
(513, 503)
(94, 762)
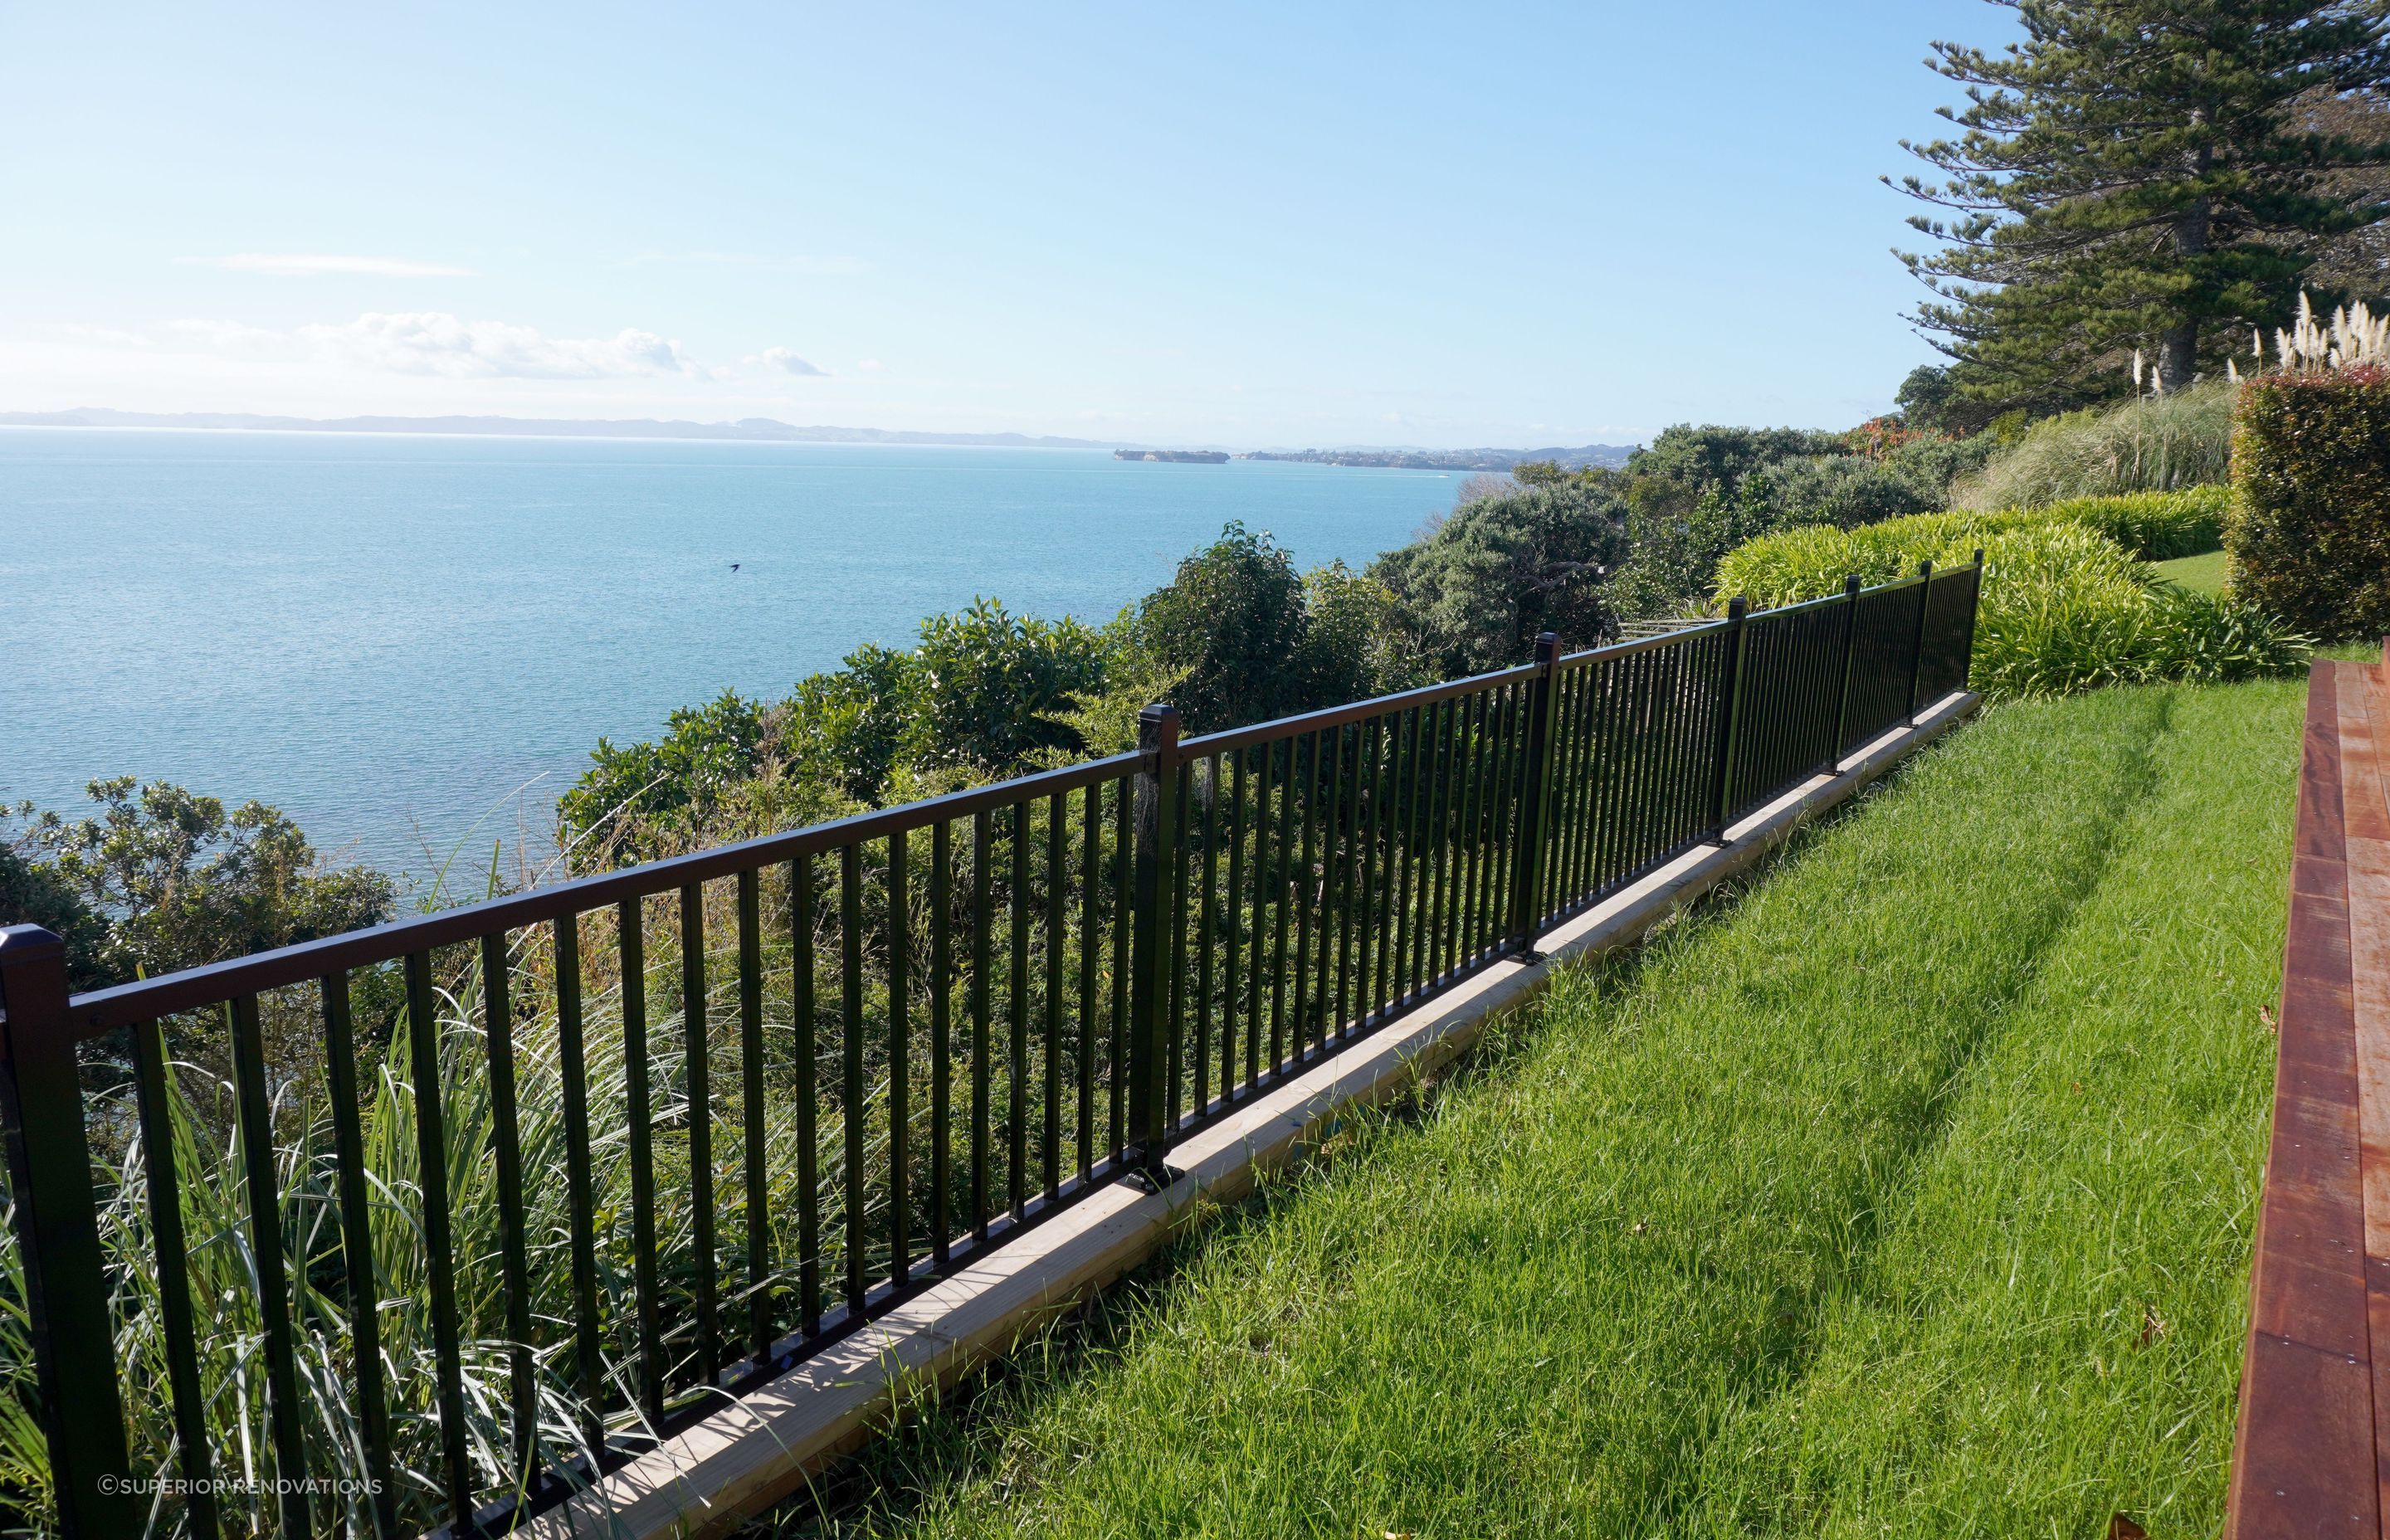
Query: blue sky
(1249, 226)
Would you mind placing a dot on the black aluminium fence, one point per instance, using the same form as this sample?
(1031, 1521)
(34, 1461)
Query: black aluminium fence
(638, 1142)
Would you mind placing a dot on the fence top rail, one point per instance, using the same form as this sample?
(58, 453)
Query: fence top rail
(1283, 727)
(212, 984)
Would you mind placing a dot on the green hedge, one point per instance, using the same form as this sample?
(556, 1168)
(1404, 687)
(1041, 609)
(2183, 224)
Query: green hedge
(2064, 607)
(2310, 540)
(2154, 526)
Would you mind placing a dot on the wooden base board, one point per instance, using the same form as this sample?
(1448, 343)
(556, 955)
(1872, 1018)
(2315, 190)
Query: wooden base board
(751, 1455)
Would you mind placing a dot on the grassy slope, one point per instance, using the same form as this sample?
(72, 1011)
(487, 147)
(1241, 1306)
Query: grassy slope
(2202, 574)
(1796, 1222)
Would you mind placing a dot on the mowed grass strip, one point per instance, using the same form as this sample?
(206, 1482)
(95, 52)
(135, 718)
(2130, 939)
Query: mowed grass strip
(1535, 1310)
(2051, 1331)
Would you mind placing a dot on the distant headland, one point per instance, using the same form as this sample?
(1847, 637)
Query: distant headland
(1174, 457)
(1612, 454)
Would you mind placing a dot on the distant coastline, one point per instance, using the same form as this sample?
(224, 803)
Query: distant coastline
(771, 431)
(747, 429)
(1612, 454)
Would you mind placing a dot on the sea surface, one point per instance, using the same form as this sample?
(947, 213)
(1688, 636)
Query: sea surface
(410, 645)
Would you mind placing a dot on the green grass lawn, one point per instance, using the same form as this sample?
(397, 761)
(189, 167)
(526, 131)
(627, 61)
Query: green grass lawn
(1906, 1192)
(2202, 575)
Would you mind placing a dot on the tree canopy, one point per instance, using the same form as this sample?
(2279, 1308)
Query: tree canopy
(2139, 174)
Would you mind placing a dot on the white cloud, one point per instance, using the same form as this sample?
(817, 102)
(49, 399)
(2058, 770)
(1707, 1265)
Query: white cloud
(305, 266)
(786, 358)
(228, 336)
(434, 342)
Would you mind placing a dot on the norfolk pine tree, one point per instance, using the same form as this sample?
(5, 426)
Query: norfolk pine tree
(2138, 173)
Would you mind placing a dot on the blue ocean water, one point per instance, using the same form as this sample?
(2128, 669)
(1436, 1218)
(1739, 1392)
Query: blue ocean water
(411, 644)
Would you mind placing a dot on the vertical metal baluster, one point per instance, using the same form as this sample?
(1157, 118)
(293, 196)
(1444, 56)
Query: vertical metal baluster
(942, 1047)
(1175, 920)
(1258, 908)
(1608, 684)
(1340, 1014)
(271, 1257)
(899, 1053)
(1207, 916)
(1016, 1121)
(171, 1259)
(1650, 695)
(440, 1259)
(755, 1133)
(853, 1118)
(1400, 857)
(1473, 816)
(1624, 760)
(505, 1150)
(697, 1077)
(1331, 884)
(1231, 990)
(1626, 689)
(580, 1201)
(1282, 900)
(1500, 720)
(1569, 884)
(1917, 646)
(807, 1009)
(1308, 898)
(1377, 739)
(631, 942)
(1091, 843)
(1058, 876)
(1124, 888)
(1442, 737)
(982, 922)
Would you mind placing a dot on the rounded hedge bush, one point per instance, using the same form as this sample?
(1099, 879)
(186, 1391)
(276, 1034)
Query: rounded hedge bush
(2310, 538)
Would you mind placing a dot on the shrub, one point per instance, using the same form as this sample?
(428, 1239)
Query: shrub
(2154, 526)
(1837, 489)
(1473, 596)
(2155, 444)
(2311, 540)
(2064, 607)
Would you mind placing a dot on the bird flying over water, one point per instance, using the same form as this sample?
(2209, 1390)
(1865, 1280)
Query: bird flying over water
(734, 566)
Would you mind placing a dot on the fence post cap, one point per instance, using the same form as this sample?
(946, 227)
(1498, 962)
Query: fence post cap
(1737, 606)
(1851, 583)
(1926, 567)
(20, 944)
(1979, 556)
(1157, 728)
(1547, 647)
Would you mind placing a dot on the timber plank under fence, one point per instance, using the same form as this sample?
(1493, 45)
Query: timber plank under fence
(2312, 1452)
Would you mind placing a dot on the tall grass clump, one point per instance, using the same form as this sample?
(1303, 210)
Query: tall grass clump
(2064, 608)
(224, 1264)
(2161, 443)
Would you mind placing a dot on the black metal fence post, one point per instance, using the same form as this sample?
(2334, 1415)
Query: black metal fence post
(1917, 649)
(1156, 868)
(1975, 608)
(1535, 810)
(1738, 613)
(58, 1240)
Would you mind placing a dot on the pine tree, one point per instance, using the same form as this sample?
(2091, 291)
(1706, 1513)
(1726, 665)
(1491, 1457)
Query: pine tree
(2139, 174)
